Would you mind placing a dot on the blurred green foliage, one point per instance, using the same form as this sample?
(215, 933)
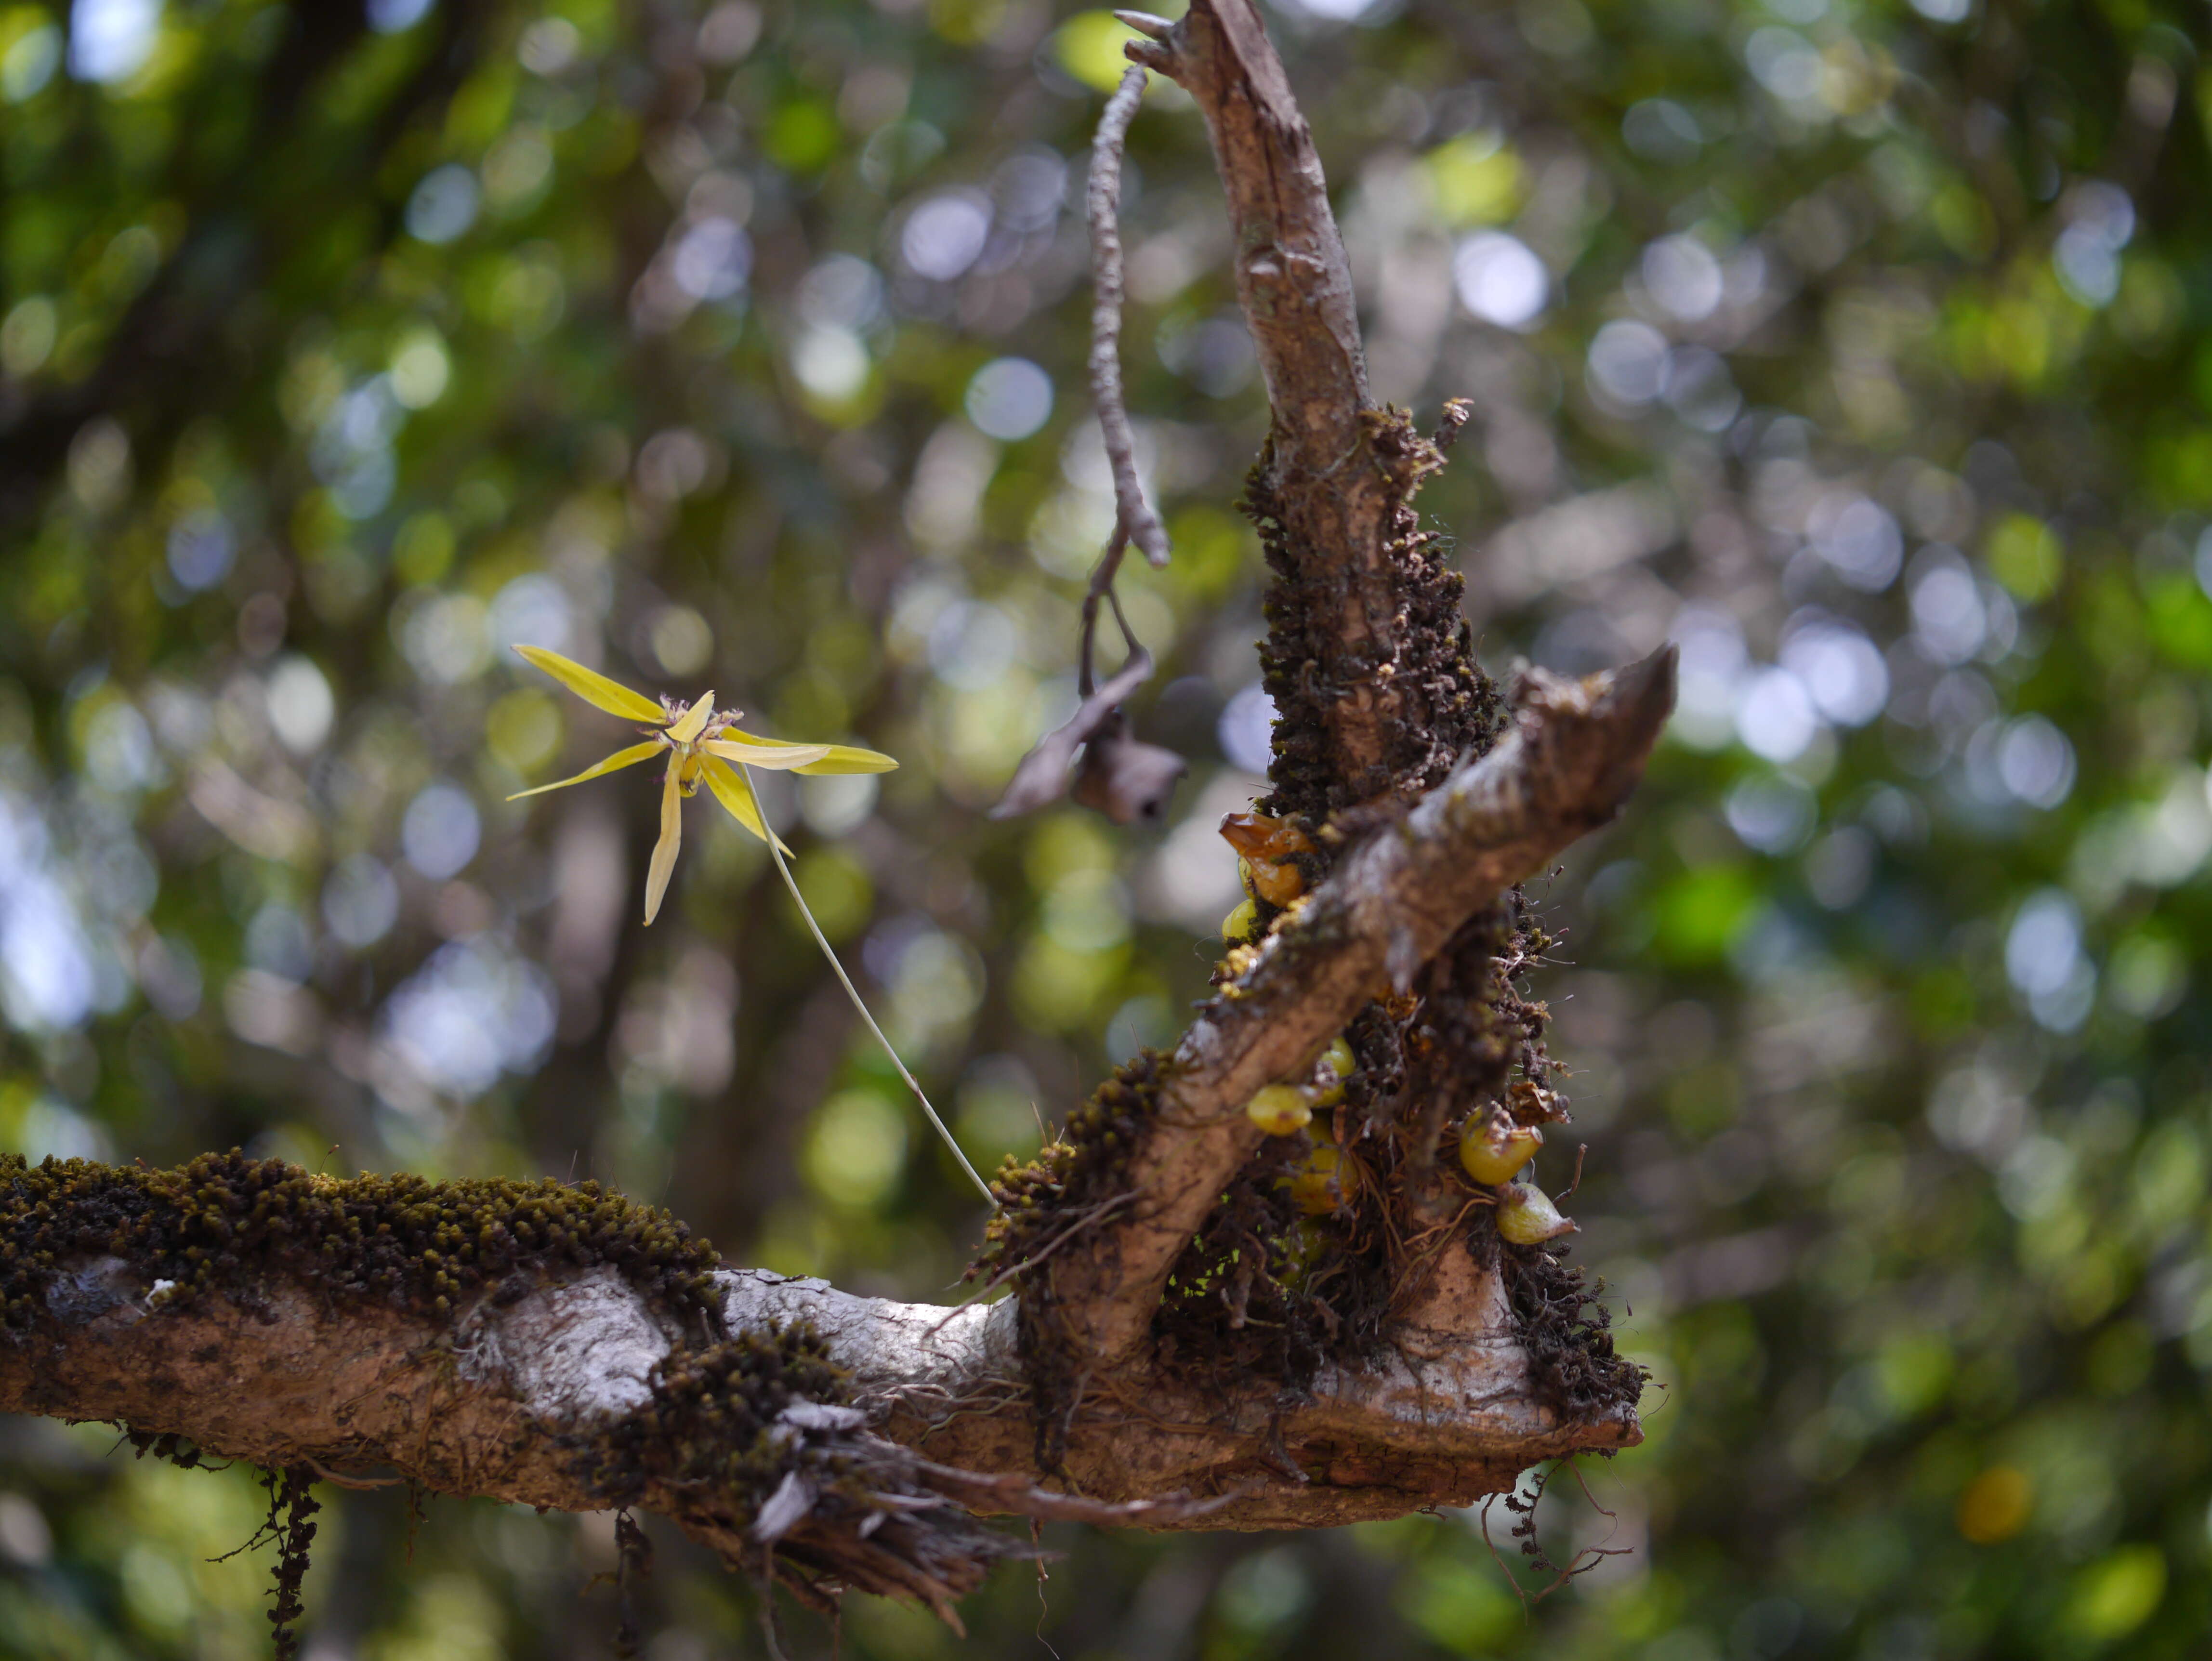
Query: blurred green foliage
(1864, 350)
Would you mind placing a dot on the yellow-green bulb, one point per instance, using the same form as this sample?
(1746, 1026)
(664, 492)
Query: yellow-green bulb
(1279, 1110)
(1526, 1215)
(1495, 1153)
(1237, 927)
(1324, 1182)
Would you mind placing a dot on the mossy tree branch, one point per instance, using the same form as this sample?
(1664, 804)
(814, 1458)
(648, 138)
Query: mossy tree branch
(1389, 749)
(553, 1346)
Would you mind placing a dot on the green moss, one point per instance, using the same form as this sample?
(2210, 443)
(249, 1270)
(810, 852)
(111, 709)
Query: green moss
(228, 1226)
(1040, 1198)
(1043, 1204)
(226, 1223)
(711, 1426)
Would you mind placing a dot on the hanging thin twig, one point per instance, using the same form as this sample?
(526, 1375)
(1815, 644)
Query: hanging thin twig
(1123, 779)
(1102, 587)
(1103, 203)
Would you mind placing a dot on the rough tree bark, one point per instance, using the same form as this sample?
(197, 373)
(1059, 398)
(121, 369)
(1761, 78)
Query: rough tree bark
(556, 1347)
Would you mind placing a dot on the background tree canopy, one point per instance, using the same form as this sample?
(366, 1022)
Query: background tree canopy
(1866, 351)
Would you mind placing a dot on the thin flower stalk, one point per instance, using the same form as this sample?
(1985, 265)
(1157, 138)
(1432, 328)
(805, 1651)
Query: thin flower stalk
(775, 853)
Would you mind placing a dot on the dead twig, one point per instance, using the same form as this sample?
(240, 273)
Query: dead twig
(1103, 203)
(1102, 587)
(1121, 777)
(1524, 1530)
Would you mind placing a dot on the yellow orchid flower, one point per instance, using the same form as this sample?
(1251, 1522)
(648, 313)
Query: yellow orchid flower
(701, 743)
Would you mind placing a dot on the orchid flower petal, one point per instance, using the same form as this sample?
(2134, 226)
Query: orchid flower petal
(663, 851)
(594, 688)
(621, 758)
(735, 791)
(784, 758)
(692, 721)
(841, 759)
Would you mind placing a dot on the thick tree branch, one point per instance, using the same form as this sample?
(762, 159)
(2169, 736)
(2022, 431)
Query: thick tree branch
(551, 1383)
(1330, 489)
(1443, 1415)
(296, 1321)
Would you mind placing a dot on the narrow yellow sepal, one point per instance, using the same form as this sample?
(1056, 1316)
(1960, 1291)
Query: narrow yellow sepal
(620, 759)
(777, 758)
(735, 793)
(692, 721)
(594, 688)
(840, 758)
(663, 851)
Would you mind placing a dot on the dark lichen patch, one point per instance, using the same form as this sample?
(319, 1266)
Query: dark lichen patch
(226, 1223)
(1265, 1292)
(1568, 1335)
(1440, 704)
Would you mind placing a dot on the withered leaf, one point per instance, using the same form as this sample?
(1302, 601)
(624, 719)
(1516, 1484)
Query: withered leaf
(1124, 778)
(1042, 776)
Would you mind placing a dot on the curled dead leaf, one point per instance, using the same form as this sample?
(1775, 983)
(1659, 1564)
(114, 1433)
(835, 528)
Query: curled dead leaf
(1120, 777)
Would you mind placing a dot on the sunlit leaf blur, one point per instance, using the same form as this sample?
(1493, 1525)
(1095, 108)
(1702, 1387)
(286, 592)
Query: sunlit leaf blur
(1863, 350)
